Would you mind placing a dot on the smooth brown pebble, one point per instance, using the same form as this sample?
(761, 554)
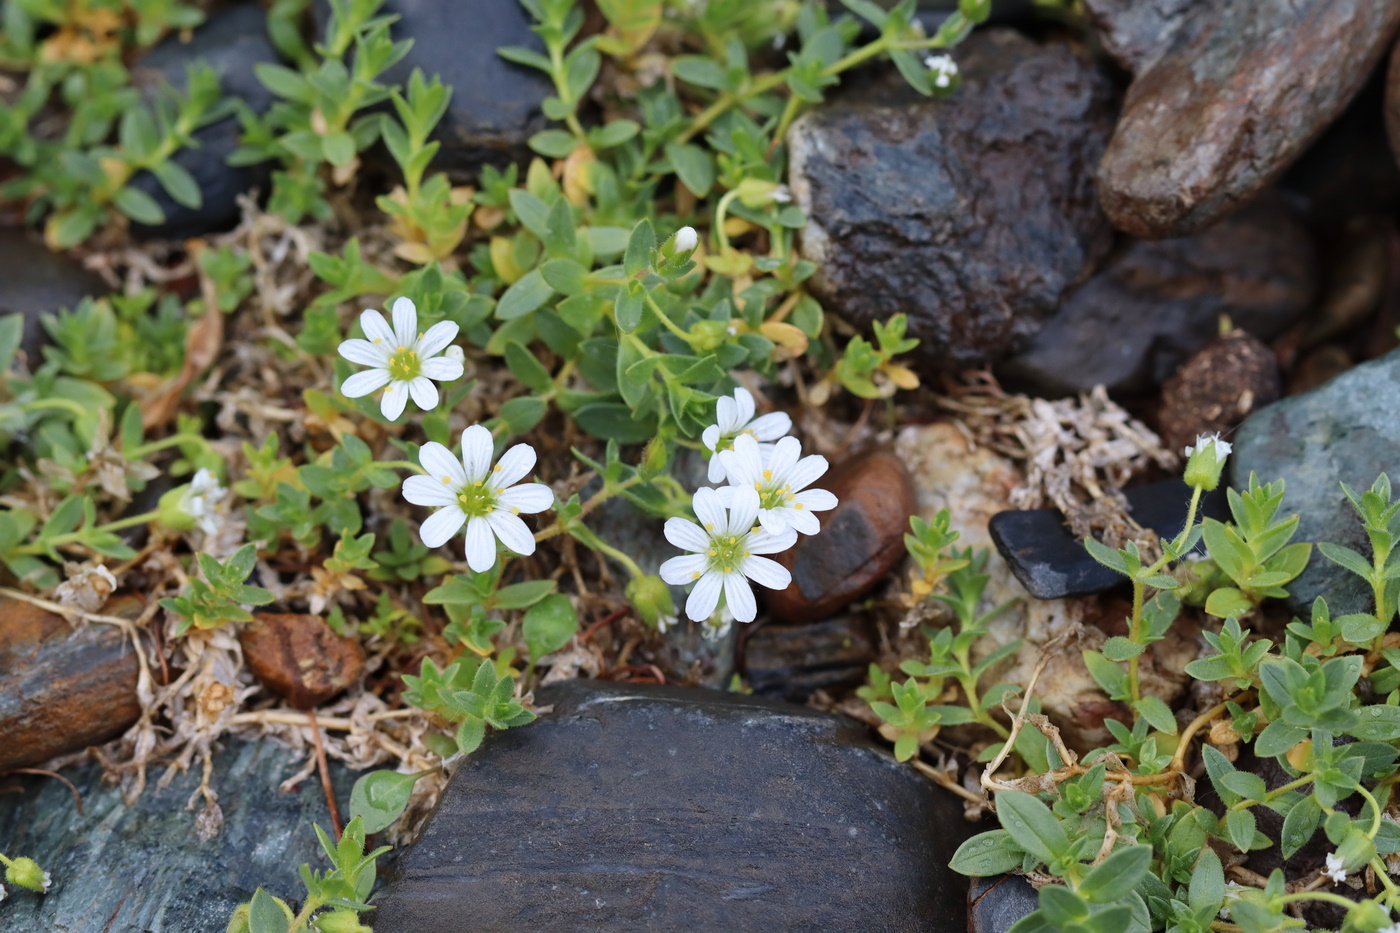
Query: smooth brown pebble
(63, 688)
(861, 539)
(300, 657)
(1217, 388)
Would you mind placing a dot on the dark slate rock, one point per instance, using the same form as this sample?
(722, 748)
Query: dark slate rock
(795, 661)
(1052, 564)
(1136, 32)
(671, 809)
(974, 215)
(495, 106)
(1231, 103)
(1156, 303)
(143, 869)
(995, 904)
(233, 43)
(1344, 431)
(35, 281)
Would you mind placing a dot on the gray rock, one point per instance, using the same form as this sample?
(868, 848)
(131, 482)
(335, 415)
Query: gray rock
(1157, 302)
(633, 809)
(795, 661)
(1135, 32)
(35, 281)
(233, 43)
(1232, 101)
(143, 869)
(974, 215)
(1344, 431)
(995, 904)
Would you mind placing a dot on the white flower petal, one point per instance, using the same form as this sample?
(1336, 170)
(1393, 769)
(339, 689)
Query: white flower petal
(436, 339)
(708, 510)
(806, 472)
(425, 394)
(377, 329)
(686, 535)
(710, 437)
(738, 596)
(364, 353)
(784, 456)
(715, 472)
(816, 500)
(405, 323)
(481, 545)
(703, 599)
(774, 521)
(743, 510)
(802, 521)
(528, 498)
(766, 572)
(743, 464)
(439, 527)
(476, 452)
(764, 543)
(771, 426)
(724, 495)
(395, 398)
(443, 369)
(744, 408)
(426, 490)
(513, 532)
(679, 571)
(440, 464)
(515, 464)
(363, 383)
(727, 415)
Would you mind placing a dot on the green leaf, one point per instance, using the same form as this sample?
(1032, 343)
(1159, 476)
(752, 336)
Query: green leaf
(339, 148)
(640, 245)
(1108, 675)
(1377, 724)
(1116, 876)
(693, 165)
(987, 854)
(1248, 786)
(265, 915)
(1227, 603)
(1119, 648)
(522, 413)
(615, 421)
(1299, 825)
(178, 183)
(471, 732)
(139, 206)
(527, 294)
(703, 72)
(1106, 555)
(1239, 828)
(1277, 738)
(1346, 557)
(527, 368)
(520, 595)
(11, 333)
(378, 798)
(1206, 893)
(549, 624)
(1032, 825)
(1157, 713)
(565, 276)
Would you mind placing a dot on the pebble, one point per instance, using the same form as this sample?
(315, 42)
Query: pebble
(63, 688)
(1236, 97)
(861, 540)
(35, 281)
(234, 42)
(632, 808)
(300, 657)
(974, 215)
(795, 661)
(1218, 388)
(1156, 303)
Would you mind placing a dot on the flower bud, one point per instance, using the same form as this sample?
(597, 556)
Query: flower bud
(455, 352)
(198, 502)
(755, 192)
(26, 873)
(653, 459)
(685, 240)
(341, 921)
(652, 598)
(239, 923)
(1206, 461)
(708, 335)
(1366, 917)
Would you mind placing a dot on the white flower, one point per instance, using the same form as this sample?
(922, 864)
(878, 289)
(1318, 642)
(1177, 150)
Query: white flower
(782, 194)
(734, 416)
(203, 500)
(781, 480)
(725, 545)
(48, 882)
(3, 892)
(1220, 448)
(401, 358)
(1334, 869)
(943, 67)
(478, 495)
(686, 239)
(715, 628)
(664, 623)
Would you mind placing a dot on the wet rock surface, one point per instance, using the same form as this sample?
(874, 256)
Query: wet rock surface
(653, 808)
(995, 904)
(1155, 303)
(232, 42)
(794, 661)
(143, 868)
(861, 540)
(300, 657)
(1136, 32)
(1052, 564)
(35, 281)
(1342, 431)
(63, 689)
(1231, 102)
(1218, 388)
(974, 215)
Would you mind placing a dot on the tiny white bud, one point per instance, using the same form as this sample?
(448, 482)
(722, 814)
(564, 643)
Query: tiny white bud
(1334, 869)
(686, 239)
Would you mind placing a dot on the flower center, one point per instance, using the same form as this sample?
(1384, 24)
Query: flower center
(726, 441)
(727, 552)
(476, 499)
(773, 494)
(404, 364)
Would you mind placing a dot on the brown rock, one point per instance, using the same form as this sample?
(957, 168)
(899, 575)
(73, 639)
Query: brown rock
(1319, 367)
(63, 688)
(795, 661)
(862, 539)
(300, 657)
(1237, 95)
(1217, 388)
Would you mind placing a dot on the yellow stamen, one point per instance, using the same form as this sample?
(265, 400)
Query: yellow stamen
(695, 575)
(767, 474)
(447, 481)
(797, 505)
(709, 527)
(514, 510)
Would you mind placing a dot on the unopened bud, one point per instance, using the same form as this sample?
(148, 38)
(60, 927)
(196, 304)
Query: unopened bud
(685, 240)
(1206, 461)
(651, 597)
(26, 873)
(755, 192)
(653, 459)
(341, 921)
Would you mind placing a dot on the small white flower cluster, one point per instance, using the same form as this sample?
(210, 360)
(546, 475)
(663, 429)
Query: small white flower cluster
(402, 358)
(763, 509)
(1213, 443)
(943, 67)
(1334, 868)
(203, 501)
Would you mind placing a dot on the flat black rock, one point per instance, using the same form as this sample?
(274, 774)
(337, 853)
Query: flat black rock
(660, 808)
(795, 661)
(1052, 564)
(143, 869)
(35, 281)
(234, 42)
